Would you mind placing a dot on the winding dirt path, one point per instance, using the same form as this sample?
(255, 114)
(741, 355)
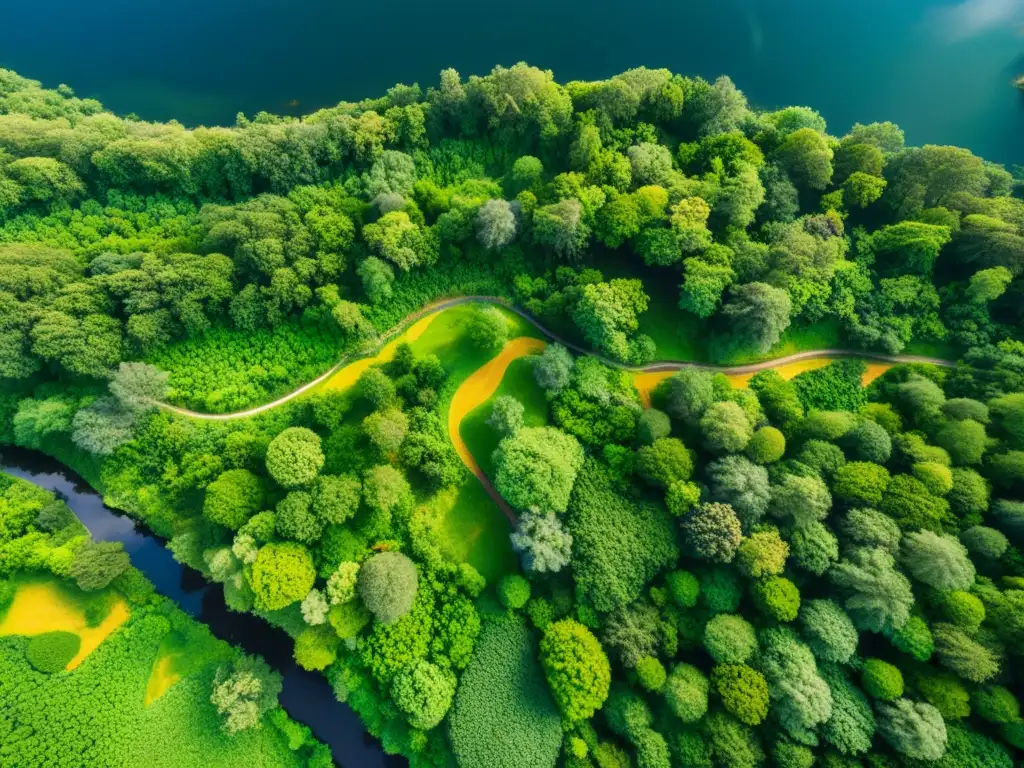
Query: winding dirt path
(483, 382)
(477, 389)
(661, 366)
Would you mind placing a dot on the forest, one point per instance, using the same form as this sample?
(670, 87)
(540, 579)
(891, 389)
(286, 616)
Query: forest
(156, 689)
(500, 543)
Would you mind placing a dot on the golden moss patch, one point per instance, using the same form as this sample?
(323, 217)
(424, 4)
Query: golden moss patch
(40, 607)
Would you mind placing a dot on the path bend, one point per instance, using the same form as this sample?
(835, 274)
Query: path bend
(655, 367)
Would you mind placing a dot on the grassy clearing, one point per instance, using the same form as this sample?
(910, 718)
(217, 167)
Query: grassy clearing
(518, 382)
(826, 334)
(470, 523)
(161, 679)
(474, 530)
(45, 605)
(347, 376)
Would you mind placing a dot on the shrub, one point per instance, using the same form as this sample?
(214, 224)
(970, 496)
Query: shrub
(777, 597)
(294, 457)
(729, 639)
(828, 630)
(513, 591)
(387, 585)
(684, 588)
(686, 692)
(762, 554)
(281, 575)
(503, 715)
(52, 651)
(316, 648)
(881, 680)
(996, 704)
(423, 692)
(914, 729)
(712, 532)
(766, 446)
(963, 609)
(744, 692)
(536, 467)
(650, 673)
(914, 638)
(234, 497)
(664, 462)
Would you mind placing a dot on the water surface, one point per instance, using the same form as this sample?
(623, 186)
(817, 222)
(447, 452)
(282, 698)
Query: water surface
(306, 696)
(942, 70)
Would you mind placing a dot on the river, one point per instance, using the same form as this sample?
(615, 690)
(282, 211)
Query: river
(306, 696)
(942, 69)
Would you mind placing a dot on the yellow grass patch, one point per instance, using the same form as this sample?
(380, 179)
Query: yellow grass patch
(160, 679)
(479, 388)
(646, 382)
(786, 371)
(874, 370)
(350, 374)
(41, 607)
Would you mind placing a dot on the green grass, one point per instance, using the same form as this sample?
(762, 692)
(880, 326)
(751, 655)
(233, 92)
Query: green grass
(446, 338)
(474, 530)
(678, 335)
(825, 334)
(472, 527)
(518, 382)
(932, 348)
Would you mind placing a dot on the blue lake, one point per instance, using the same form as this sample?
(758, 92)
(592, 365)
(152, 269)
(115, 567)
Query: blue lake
(943, 71)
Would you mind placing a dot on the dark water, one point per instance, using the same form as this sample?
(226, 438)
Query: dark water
(942, 70)
(306, 696)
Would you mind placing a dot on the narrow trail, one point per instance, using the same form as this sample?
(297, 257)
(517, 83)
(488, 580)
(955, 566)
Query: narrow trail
(483, 382)
(655, 367)
(478, 389)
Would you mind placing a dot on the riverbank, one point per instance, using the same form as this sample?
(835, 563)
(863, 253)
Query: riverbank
(306, 696)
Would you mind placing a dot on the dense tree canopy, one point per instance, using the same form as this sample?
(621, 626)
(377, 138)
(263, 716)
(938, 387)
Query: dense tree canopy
(708, 574)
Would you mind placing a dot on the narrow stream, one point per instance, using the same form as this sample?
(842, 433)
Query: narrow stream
(306, 696)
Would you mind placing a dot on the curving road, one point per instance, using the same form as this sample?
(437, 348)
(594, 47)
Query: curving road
(655, 367)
